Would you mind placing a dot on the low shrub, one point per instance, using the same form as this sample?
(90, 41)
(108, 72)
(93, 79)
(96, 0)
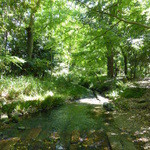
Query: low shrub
(51, 101)
(58, 101)
(8, 109)
(47, 103)
(12, 94)
(122, 104)
(133, 92)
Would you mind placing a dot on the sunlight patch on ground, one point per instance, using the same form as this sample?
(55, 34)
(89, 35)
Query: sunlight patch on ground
(144, 83)
(95, 101)
(30, 98)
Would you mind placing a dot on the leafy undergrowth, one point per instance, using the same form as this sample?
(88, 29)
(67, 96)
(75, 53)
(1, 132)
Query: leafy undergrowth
(133, 118)
(27, 94)
(132, 105)
(99, 83)
(133, 113)
(133, 92)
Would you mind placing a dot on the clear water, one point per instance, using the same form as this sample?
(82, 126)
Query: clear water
(66, 123)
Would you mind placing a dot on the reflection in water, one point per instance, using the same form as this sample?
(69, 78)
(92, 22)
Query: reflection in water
(72, 126)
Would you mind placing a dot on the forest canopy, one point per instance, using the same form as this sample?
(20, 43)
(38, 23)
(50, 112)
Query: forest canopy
(99, 36)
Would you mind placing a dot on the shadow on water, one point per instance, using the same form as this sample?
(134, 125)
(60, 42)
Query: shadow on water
(72, 126)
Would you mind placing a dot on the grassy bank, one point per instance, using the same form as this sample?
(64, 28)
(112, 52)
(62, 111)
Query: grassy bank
(27, 94)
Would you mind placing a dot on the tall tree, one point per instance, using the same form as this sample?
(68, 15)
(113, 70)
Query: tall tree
(34, 7)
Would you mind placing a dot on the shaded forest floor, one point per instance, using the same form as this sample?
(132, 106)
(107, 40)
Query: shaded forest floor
(133, 114)
(134, 119)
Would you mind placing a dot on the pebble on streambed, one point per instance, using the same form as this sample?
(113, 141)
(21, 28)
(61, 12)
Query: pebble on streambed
(21, 128)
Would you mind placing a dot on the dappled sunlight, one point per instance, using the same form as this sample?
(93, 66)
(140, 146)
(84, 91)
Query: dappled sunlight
(49, 93)
(100, 100)
(69, 127)
(144, 83)
(90, 101)
(30, 98)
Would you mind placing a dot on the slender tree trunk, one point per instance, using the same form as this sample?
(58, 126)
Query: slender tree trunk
(125, 65)
(30, 29)
(29, 41)
(30, 37)
(110, 68)
(135, 66)
(6, 39)
(134, 72)
(51, 62)
(125, 60)
(110, 57)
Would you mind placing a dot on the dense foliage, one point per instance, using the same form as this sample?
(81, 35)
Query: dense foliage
(89, 37)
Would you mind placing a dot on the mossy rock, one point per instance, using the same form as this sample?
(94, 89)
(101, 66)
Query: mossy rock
(108, 106)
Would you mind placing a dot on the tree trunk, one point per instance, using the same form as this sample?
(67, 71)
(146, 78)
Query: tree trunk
(135, 66)
(30, 37)
(110, 68)
(125, 65)
(29, 41)
(110, 57)
(6, 39)
(30, 28)
(134, 72)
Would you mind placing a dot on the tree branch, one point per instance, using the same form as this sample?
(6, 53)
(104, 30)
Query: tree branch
(121, 19)
(102, 33)
(126, 21)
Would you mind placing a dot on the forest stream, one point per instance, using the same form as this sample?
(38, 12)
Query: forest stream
(71, 126)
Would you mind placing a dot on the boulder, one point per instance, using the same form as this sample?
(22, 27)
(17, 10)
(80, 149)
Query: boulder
(108, 106)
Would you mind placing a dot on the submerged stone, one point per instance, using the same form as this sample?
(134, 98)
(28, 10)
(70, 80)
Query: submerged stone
(59, 147)
(33, 134)
(21, 128)
(54, 136)
(1, 133)
(75, 137)
(74, 146)
(8, 143)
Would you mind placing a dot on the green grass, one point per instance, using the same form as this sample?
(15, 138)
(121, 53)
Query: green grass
(25, 93)
(16, 88)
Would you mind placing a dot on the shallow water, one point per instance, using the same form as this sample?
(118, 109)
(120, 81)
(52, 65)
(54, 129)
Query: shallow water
(72, 126)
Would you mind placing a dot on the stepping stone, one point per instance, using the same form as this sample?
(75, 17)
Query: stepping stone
(75, 137)
(8, 143)
(114, 141)
(88, 142)
(59, 147)
(33, 134)
(54, 136)
(21, 128)
(118, 141)
(96, 139)
(74, 146)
